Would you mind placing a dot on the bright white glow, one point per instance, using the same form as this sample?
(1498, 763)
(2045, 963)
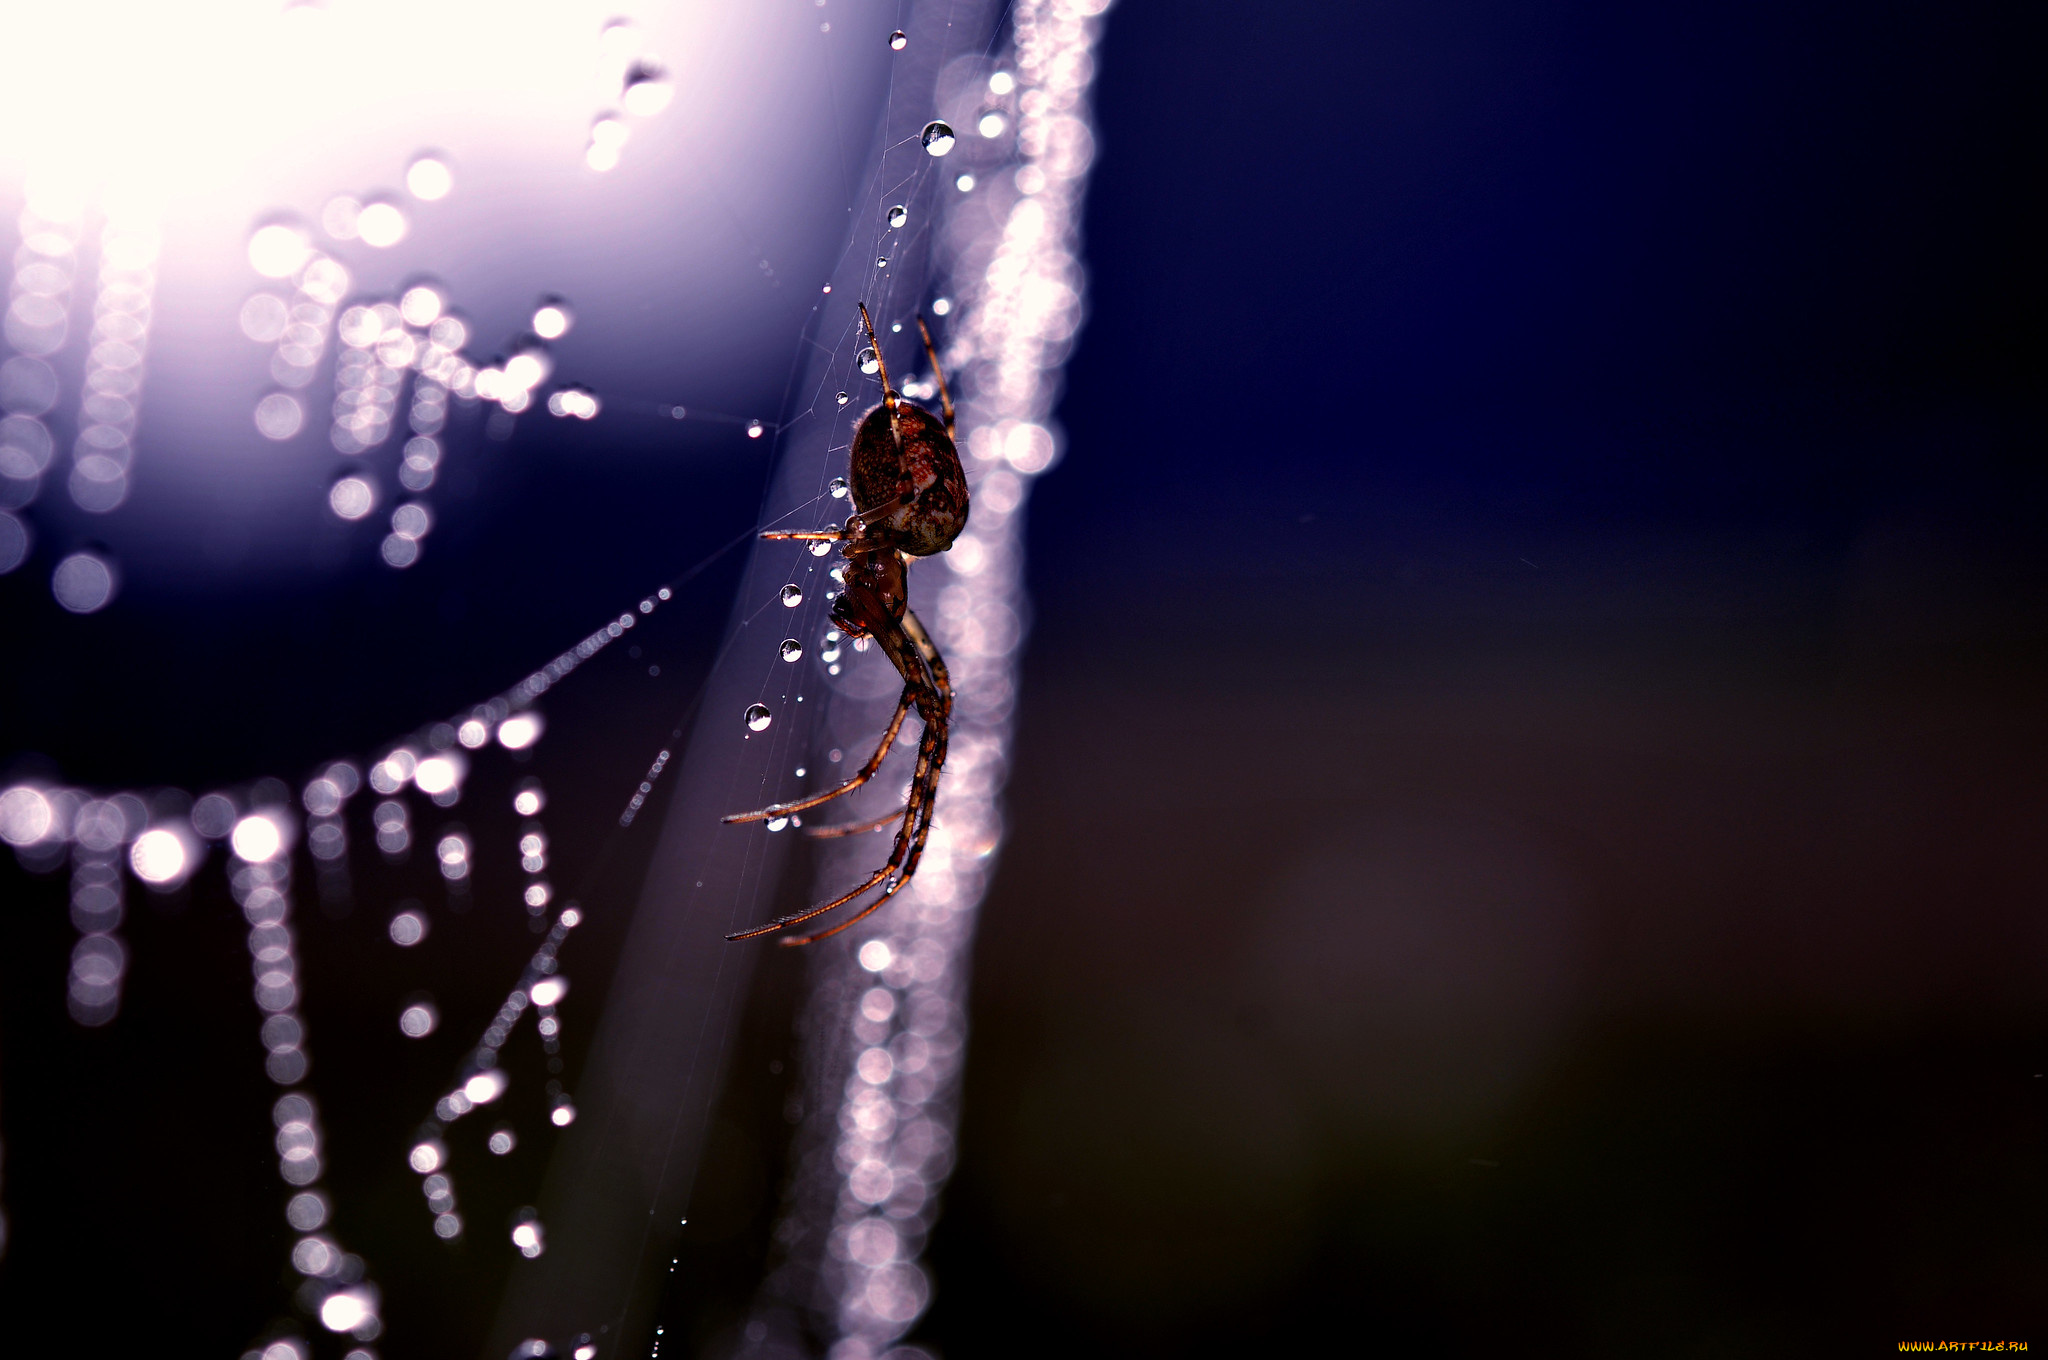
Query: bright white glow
(472, 734)
(571, 917)
(1002, 82)
(564, 1115)
(381, 225)
(421, 306)
(484, 1087)
(352, 498)
(437, 774)
(426, 1156)
(256, 838)
(992, 124)
(551, 322)
(278, 251)
(345, 1310)
(25, 815)
(526, 1236)
(157, 856)
(519, 731)
(525, 369)
(429, 178)
(875, 955)
(549, 990)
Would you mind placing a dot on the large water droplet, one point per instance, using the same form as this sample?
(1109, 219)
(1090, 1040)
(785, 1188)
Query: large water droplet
(792, 595)
(843, 399)
(758, 717)
(837, 486)
(792, 650)
(820, 548)
(898, 215)
(898, 40)
(648, 89)
(870, 362)
(938, 137)
(881, 261)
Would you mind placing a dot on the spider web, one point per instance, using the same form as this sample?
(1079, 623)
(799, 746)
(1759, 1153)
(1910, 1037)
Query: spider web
(460, 826)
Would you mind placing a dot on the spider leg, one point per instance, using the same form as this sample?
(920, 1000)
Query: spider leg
(888, 392)
(910, 648)
(808, 535)
(860, 777)
(826, 833)
(945, 398)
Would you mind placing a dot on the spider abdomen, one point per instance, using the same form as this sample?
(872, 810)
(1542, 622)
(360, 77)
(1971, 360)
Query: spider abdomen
(917, 460)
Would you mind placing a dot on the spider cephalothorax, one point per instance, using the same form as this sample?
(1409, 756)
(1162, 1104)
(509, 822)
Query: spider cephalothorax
(910, 501)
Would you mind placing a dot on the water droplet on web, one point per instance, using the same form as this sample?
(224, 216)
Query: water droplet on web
(792, 650)
(843, 399)
(881, 261)
(753, 429)
(758, 717)
(792, 596)
(898, 215)
(838, 488)
(941, 306)
(898, 40)
(938, 137)
(648, 89)
(870, 362)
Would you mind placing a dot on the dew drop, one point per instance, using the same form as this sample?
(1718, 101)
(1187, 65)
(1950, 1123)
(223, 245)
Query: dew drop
(870, 362)
(898, 215)
(898, 40)
(941, 306)
(758, 717)
(777, 823)
(792, 650)
(938, 137)
(881, 261)
(843, 399)
(792, 595)
(837, 487)
(753, 429)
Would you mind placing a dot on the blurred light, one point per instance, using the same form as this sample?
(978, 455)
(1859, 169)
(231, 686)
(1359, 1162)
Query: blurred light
(528, 801)
(519, 731)
(447, 1225)
(407, 929)
(571, 918)
(526, 1235)
(279, 416)
(278, 251)
(426, 1155)
(536, 895)
(399, 551)
(25, 815)
(82, 583)
(340, 218)
(563, 1115)
(992, 124)
(158, 857)
(307, 1210)
(257, 838)
(875, 955)
(526, 369)
(1002, 82)
(352, 498)
(418, 1020)
(421, 306)
(648, 90)
(484, 1087)
(14, 542)
(473, 734)
(941, 306)
(284, 1350)
(429, 178)
(381, 225)
(345, 1310)
(437, 774)
(548, 990)
(315, 1256)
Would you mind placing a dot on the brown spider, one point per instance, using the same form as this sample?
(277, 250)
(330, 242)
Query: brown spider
(907, 473)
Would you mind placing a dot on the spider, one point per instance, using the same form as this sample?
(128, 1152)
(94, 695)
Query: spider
(907, 475)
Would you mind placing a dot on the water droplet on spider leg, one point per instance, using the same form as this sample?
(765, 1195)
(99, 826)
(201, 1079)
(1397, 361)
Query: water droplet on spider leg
(837, 486)
(843, 399)
(758, 717)
(898, 40)
(820, 548)
(937, 137)
(869, 361)
(792, 650)
(792, 596)
(898, 215)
